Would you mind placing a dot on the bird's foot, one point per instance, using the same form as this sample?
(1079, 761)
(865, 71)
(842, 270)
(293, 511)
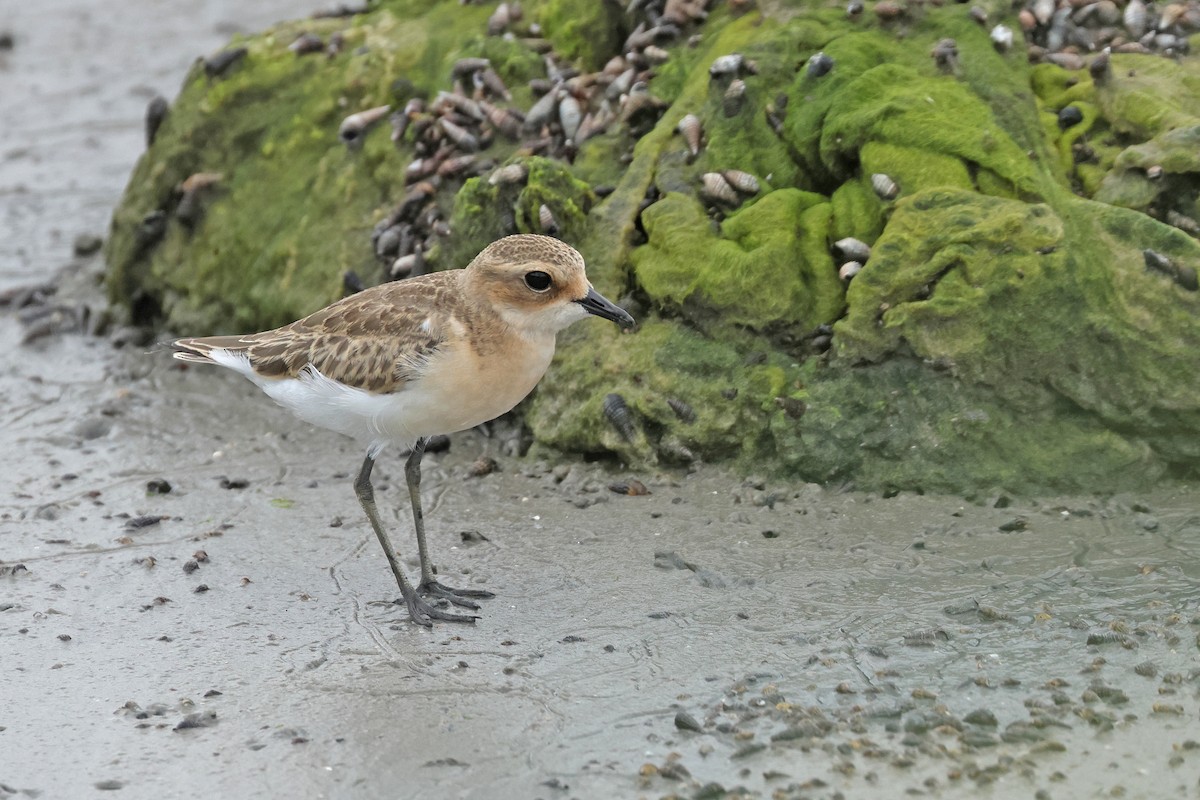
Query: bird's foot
(459, 597)
(423, 613)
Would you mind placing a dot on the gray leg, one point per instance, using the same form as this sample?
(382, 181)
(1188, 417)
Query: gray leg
(429, 584)
(421, 612)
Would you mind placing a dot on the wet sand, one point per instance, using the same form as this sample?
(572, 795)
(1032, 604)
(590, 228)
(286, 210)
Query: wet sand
(827, 642)
(234, 636)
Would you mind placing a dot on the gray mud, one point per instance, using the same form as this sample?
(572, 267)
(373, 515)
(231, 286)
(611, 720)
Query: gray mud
(233, 636)
(811, 643)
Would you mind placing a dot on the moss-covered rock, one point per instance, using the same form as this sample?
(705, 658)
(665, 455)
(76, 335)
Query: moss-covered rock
(1026, 317)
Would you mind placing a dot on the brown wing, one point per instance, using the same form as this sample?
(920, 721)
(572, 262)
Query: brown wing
(378, 339)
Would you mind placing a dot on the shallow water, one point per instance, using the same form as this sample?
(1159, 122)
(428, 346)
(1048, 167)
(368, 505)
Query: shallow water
(824, 644)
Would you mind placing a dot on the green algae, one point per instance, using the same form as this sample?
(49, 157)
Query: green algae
(769, 264)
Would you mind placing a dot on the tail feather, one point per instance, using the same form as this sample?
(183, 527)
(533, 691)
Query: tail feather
(199, 350)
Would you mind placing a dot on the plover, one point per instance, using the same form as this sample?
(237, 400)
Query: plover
(406, 360)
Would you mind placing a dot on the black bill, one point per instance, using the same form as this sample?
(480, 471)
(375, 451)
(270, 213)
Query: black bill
(601, 306)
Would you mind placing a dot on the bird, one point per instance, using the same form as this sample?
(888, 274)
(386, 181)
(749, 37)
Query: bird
(404, 361)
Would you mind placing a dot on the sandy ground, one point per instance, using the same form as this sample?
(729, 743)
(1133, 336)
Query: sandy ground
(191, 602)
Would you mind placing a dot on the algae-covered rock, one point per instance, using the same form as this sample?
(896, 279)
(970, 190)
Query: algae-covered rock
(1025, 316)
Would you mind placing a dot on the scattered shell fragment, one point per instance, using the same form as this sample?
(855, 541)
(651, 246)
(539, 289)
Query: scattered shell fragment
(851, 249)
(156, 112)
(887, 10)
(849, 270)
(1069, 117)
(1135, 18)
(734, 99)
(715, 187)
(819, 65)
(570, 114)
(462, 138)
(1158, 262)
(515, 172)
(307, 43)
(632, 487)
(353, 127)
(731, 64)
(1098, 67)
(222, 62)
(741, 181)
(1002, 38)
(683, 411)
(884, 186)
(1186, 277)
(945, 54)
(1183, 222)
(619, 415)
(689, 128)
(854, 9)
(546, 220)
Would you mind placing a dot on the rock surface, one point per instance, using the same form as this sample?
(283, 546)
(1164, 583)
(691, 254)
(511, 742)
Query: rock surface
(1025, 318)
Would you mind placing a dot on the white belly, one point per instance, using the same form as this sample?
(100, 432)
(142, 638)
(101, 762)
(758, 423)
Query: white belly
(457, 391)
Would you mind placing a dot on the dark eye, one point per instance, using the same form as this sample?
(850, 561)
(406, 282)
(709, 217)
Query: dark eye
(537, 280)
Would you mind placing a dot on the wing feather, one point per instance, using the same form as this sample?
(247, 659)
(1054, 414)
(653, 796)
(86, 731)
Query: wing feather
(379, 339)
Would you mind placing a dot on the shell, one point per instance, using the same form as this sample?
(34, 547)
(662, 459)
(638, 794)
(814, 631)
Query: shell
(1043, 10)
(1154, 171)
(514, 173)
(541, 111)
(307, 43)
(849, 270)
(156, 112)
(1135, 18)
(1186, 277)
(1027, 20)
(505, 120)
(595, 122)
(1068, 61)
(619, 415)
(409, 266)
(850, 249)
(353, 127)
(1069, 117)
(656, 55)
(462, 138)
(570, 114)
(1171, 14)
(819, 65)
(1002, 38)
(387, 246)
(689, 128)
(490, 80)
(500, 19)
(714, 186)
(734, 99)
(1158, 262)
(456, 166)
(945, 54)
(854, 9)
(979, 15)
(887, 10)
(742, 182)
(683, 411)
(200, 180)
(546, 220)
(223, 61)
(465, 66)
(884, 186)
(1183, 222)
(731, 64)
